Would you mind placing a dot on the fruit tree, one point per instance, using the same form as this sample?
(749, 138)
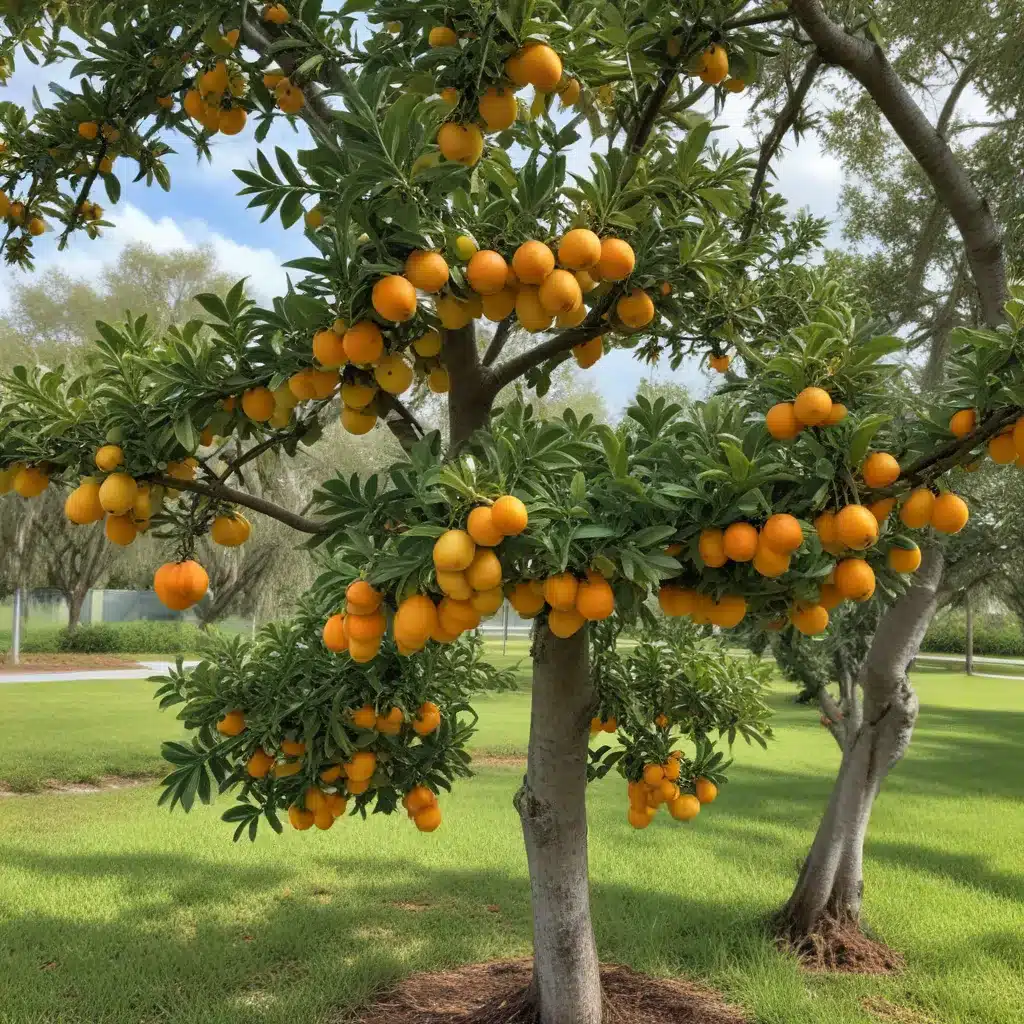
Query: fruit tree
(437, 195)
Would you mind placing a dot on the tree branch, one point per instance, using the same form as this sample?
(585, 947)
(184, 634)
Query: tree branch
(257, 450)
(222, 492)
(501, 335)
(867, 63)
(400, 421)
(931, 234)
(949, 107)
(755, 19)
(773, 140)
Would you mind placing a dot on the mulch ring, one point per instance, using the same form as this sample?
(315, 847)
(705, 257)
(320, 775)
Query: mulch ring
(496, 993)
(843, 948)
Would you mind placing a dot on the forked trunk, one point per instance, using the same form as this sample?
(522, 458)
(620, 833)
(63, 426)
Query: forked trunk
(552, 808)
(831, 883)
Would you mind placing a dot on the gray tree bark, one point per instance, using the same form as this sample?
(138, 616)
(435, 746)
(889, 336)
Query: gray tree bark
(876, 735)
(552, 808)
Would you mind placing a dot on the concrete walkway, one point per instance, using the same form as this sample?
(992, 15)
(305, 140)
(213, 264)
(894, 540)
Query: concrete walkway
(149, 668)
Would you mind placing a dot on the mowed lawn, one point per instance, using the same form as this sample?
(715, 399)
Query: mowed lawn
(113, 910)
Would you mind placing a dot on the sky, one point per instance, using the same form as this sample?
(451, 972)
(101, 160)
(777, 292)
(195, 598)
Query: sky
(203, 208)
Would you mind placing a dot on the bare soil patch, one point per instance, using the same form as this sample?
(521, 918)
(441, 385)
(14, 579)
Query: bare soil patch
(498, 761)
(67, 663)
(497, 993)
(100, 785)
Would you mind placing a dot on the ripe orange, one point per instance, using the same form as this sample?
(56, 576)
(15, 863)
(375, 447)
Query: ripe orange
(334, 635)
(394, 298)
(654, 774)
(393, 374)
(355, 787)
(563, 623)
(293, 748)
(903, 559)
(560, 293)
(541, 67)
(362, 766)
(720, 363)
(574, 317)
(427, 720)
(418, 798)
(179, 585)
(457, 616)
(391, 723)
(735, 85)
(782, 422)
(498, 108)
(356, 421)
(120, 530)
(586, 353)
(825, 526)
(812, 406)
(290, 98)
(428, 345)
(361, 598)
(949, 513)
(525, 600)
(364, 717)
(837, 415)
(454, 550)
(530, 310)
(438, 380)
(685, 807)
(714, 65)
(880, 469)
(532, 262)
(276, 14)
(810, 619)
(300, 818)
(487, 272)
(769, 562)
(586, 280)
(560, 591)
(117, 493)
(635, 309)
(31, 481)
(916, 511)
(579, 249)
(453, 584)
(782, 533)
(1002, 450)
(829, 596)
(460, 143)
(365, 627)
(232, 121)
(480, 526)
(856, 527)
(453, 314)
(83, 503)
(595, 599)
(109, 457)
(882, 509)
(426, 270)
(230, 531)
(442, 35)
(509, 515)
(258, 404)
(487, 602)
(706, 790)
(500, 305)
(855, 579)
(363, 342)
(740, 542)
(232, 724)
(484, 571)
(363, 651)
(259, 764)
(729, 611)
(963, 422)
(617, 260)
(712, 548)
(675, 601)
(429, 819)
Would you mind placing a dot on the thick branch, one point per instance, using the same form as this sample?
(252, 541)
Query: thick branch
(501, 336)
(949, 107)
(220, 491)
(770, 145)
(755, 19)
(867, 63)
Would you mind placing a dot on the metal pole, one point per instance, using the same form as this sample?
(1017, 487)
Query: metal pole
(16, 628)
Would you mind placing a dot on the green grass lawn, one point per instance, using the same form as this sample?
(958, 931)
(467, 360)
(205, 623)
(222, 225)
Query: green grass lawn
(113, 910)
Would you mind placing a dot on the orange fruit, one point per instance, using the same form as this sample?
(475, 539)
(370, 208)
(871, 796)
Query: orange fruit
(1002, 450)
(588, 352)
(728, 612)
(300, 818)
(829, 596)
(904, 559)
(837, 415)
(259, 764)
(498, 108)
(365, 627)
(293, 748)
(530, 310)
(714, 65)
(361, 598)
(812, 406)
(579, 249)
(393, 374)
(825, 526)
(460, 143)
(363, 651)
(120, 530)
(391, 723)
(769, 562)
(442, 35)
(782, 533)
(334, 635)
(500, 305)
(949, 513)
(735, 85)
(532, 262)
(685, 807)
(509, 515)
(457, 616)
(290, 98)
(230, 531)
(541, 67)
(362, 766)
(453, 314)
(963, 422)
(31, 481)
(117, 493)
(484, 572)
(595, 599)
(418, 798)
(426, 270)
(232, 724)
(258, 404)
(454, 551)
(525, 600)
(364, 717)
(916, 511)
(564, 623)
(487, 602)
(429, 819)
(855, 579)
(638, 817)
(394, 298)
(810, 619)
(856, 527)
(635, 309)
(109, 457)
(654, 774)
(781, 421)
(586, 281)
(428, 345)
(573, 318)
(740, 542)
(880, 469)
(480, 526)
(882, 509)
(675, 601)
(617, 259)
(706, 790)
(427, 720)
(487, 272)
(712, 548)
(356, 421)
(83, 504)
(179, 585)
(560, 293)
(560, 591)
(453, 584)
(276, 14)
(233, 121)
(438, 380)
(355, 787)
(720, 363)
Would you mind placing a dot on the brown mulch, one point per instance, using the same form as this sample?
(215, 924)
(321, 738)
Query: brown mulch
(496, 993)
(66, 663)
(498, 761)
(843, 947)
(100, 785)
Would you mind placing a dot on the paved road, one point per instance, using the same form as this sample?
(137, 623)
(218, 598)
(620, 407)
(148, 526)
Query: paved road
(149, 668)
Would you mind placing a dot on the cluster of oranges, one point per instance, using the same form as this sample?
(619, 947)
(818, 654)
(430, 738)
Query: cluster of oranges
(535, 63)
(15, 212)
(211, 100)
(321, 804)
(1006, 448)
(468, 575)
(570, 601)
(659, 785)
(813, 407)
(90, 131)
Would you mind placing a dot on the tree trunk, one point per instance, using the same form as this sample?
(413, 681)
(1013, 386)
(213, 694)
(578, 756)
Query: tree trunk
(552, 807)
(969, 647)
(75, 600)
(831, 885)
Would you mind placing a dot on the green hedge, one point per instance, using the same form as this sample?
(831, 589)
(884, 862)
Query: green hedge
(110, 638)
(948, 635)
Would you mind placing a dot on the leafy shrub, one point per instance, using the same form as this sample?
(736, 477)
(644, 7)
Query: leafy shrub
(996, 636)
(131, 638)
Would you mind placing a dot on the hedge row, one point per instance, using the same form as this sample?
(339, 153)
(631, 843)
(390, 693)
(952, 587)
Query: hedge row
(948, 635)
(110, 638)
